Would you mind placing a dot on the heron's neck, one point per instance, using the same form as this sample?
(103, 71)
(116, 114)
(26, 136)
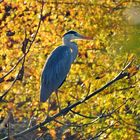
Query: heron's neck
(66, 41)
(73, 47)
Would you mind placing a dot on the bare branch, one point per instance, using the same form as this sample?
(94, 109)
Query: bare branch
(103, 115)
(5, 121)
(18, 77)
(64, 111)
(102, 131)
(136, 130)
(77, 113)
(21, 72)
(14, 67)
(25, 42)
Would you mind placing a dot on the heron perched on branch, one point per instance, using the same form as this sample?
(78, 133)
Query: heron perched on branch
(58, 64)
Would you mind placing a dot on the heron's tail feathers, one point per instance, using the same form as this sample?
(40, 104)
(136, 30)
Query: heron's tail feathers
(44, 94)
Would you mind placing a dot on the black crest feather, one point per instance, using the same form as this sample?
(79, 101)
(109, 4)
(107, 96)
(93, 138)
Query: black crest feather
(70, 32)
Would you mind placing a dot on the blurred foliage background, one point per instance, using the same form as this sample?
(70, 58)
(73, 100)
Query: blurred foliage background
(115, 25)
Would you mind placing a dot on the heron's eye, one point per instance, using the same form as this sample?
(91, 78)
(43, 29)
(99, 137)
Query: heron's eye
(73, 36)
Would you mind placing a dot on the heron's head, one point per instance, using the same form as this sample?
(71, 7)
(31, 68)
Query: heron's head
(73, 35)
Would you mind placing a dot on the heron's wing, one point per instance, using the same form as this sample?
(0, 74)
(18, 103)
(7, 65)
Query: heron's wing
(55, 71)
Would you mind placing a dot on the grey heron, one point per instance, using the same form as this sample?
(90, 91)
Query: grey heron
(58, 64)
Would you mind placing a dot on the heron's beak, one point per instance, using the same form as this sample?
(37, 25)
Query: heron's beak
(86, 37)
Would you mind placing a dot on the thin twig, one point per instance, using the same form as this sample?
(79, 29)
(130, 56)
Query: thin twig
(84, 116)
(19, 60)
(102, 131)
(16, 78)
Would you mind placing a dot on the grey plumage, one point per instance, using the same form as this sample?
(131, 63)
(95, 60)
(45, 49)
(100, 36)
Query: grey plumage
(58, 65)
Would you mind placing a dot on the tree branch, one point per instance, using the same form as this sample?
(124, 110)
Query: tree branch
(103, 115)
(64, 111)
(25, 40)
(22, 58)
(102, 131)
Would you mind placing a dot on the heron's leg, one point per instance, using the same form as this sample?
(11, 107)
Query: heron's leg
(48, 110)
(58, 100)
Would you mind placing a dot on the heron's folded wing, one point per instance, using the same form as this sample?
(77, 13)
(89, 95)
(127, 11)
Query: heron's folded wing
(55, 71)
